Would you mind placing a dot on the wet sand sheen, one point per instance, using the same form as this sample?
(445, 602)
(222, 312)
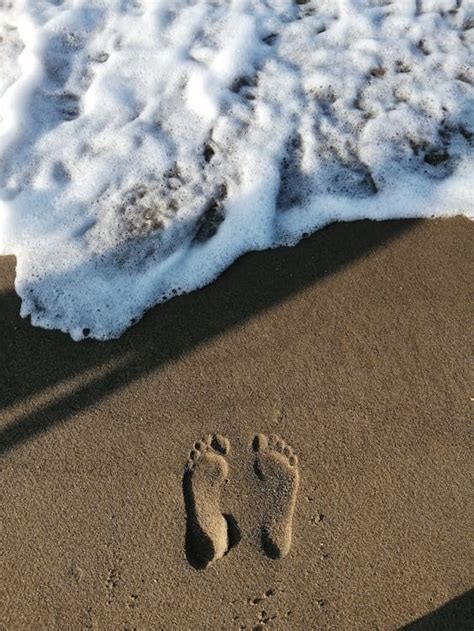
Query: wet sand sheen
(351, 346)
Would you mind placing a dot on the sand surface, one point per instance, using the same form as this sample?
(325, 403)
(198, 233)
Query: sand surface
(352, 346)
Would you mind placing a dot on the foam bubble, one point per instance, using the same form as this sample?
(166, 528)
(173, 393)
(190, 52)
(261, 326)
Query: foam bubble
(147, 145)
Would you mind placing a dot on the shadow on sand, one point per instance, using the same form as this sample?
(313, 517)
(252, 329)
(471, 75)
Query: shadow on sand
(34, 360)
(456, 615)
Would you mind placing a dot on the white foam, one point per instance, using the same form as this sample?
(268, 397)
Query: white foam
(148, 144)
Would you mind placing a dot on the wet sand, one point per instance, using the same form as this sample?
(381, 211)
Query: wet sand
(352, 346)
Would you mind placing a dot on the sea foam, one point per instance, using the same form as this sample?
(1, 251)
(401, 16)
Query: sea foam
(146, 144)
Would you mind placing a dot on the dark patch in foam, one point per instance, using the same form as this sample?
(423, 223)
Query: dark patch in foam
(60, 172)
(245, 86)
(468, 23)
(339, 173)
(378, 72)
(208, 152)
(465, 132)
(101, 57)
(436, 157)
(293, 182)
(402, 67)
(439, 159)
(270, 39)
(68, 105)
(212, 216)
(423, 46)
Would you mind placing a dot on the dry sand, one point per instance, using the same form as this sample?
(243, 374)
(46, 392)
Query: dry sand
(352, 346)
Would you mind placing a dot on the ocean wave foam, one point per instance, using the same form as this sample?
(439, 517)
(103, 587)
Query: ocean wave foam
(148, 144)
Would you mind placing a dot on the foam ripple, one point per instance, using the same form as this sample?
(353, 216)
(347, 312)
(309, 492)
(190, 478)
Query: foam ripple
(146, 145)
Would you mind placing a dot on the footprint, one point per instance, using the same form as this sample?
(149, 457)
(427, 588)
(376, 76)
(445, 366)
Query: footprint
(209, 533)
(276, 466)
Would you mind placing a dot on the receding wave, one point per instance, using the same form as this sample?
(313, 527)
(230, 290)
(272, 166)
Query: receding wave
(147, 145)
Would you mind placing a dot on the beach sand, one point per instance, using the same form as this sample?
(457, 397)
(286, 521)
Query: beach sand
(351, 346)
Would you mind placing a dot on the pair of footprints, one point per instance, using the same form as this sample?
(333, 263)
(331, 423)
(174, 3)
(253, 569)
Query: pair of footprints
(209, 533)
